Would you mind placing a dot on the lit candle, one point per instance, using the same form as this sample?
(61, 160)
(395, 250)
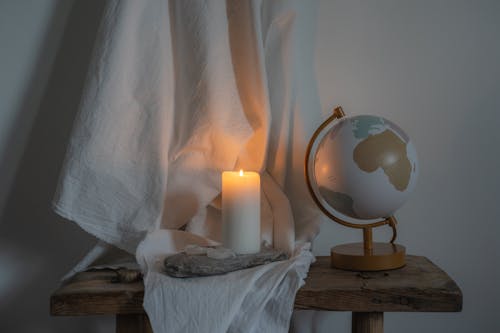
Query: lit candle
(241, 211)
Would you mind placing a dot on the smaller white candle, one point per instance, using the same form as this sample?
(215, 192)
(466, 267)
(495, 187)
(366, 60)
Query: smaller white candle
(241, 211)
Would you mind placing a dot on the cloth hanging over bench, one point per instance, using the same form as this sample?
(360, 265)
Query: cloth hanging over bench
(179, 91)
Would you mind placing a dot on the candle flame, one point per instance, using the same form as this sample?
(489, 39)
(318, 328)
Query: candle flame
(241, 172)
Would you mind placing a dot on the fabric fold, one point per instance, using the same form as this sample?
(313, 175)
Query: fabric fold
(258, 299)
(177, 92)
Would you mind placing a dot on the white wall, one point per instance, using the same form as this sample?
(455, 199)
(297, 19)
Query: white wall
(430, 66)
(44, 51)
(433, 67)
(28, 37)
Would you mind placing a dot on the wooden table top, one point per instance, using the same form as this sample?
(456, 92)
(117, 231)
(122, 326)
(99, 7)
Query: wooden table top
(420, 286)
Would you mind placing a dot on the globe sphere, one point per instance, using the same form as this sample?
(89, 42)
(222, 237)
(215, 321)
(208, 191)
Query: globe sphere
(365, 167)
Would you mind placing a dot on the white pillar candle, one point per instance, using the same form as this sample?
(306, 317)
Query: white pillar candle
(241, 211)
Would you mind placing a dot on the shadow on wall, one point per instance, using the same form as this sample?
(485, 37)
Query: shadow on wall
(36, 246)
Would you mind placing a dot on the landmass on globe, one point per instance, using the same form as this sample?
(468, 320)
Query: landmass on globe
(347, 162)
(387, 151)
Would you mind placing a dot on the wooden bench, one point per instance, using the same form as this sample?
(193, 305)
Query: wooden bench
(420, 286)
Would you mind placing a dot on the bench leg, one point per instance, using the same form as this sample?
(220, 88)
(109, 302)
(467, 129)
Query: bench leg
(133, 323)
(367, 322)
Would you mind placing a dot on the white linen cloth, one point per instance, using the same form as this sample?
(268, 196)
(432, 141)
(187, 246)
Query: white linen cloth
(258, 299)
(177, 92)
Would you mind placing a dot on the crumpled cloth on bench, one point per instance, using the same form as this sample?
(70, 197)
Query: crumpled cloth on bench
(258, 299)
(177, 92)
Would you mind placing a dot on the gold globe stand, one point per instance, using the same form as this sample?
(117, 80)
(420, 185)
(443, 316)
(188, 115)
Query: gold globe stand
(365, 256)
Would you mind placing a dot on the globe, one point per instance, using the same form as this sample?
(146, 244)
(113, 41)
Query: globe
(364, 167)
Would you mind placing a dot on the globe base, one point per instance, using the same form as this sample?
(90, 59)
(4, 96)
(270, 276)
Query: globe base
(354, 257)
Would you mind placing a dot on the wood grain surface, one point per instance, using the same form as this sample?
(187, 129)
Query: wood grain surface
(184, 265)
(367, 322)
(420, 286)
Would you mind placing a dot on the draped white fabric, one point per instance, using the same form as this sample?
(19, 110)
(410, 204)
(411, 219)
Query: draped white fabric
(253, 300)
(179, 91)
